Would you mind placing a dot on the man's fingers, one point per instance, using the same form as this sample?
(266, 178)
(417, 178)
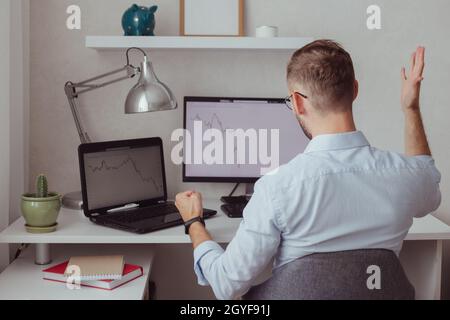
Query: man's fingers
(196, 195)
(187, 193)
(413, 62)
(417, 66)
(183, 195)
(420, 61)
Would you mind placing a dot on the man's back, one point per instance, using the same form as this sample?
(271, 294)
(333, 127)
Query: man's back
(342, 194)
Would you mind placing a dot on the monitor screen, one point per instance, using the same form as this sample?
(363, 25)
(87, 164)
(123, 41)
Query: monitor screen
(122, 176)
(238, 140)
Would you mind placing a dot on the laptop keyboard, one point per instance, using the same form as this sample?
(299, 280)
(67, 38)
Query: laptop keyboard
(146, 213)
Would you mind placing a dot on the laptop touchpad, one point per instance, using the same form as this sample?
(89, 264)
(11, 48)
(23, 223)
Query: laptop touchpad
(172, 217)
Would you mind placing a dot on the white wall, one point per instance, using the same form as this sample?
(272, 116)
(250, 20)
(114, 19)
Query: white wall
(20, 105)
(14, 113)
(4, 123)
(19, 93)
(59, 55)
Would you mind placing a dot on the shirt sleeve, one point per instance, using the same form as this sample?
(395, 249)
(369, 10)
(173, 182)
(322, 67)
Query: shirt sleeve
(429, 193)
(232, 272)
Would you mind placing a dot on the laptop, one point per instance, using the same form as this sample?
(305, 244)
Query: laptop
(124, 186)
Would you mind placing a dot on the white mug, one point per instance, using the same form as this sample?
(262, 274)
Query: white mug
(267, 32)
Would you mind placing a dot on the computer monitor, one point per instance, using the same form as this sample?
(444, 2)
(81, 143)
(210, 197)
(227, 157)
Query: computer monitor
(238, 140)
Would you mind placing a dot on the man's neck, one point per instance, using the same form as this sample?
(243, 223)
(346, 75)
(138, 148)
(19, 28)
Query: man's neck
(334, 124)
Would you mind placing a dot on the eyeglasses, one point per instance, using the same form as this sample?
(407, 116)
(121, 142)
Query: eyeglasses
(288, 100)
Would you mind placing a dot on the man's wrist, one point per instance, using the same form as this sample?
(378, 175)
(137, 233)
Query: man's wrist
(414, 112)
(195, 227)
(199, 234)
(195, 220)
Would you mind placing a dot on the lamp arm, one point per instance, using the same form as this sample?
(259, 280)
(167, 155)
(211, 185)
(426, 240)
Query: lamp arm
(88, 85)
(84, 137)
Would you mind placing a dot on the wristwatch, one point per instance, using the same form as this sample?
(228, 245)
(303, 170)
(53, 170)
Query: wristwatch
(189, 223)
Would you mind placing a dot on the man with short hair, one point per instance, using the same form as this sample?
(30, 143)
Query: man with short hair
(340, 194)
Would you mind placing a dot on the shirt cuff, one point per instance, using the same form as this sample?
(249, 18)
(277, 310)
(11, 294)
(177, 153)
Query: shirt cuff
(425, 158)
(201, 251)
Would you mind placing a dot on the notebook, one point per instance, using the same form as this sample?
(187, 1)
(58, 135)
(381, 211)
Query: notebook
(130, 273)
(98, 268)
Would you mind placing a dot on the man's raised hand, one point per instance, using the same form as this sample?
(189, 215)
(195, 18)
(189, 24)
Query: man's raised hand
(412, 80)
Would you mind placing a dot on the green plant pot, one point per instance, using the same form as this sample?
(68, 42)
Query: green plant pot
(41, 214)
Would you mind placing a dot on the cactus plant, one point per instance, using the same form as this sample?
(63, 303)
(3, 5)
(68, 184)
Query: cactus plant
(41, 208)
(41, 187)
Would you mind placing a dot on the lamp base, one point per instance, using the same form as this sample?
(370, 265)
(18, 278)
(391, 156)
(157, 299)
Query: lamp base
(73, 201)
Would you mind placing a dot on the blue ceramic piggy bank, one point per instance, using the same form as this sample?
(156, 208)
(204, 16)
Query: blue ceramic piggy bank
(139, 21)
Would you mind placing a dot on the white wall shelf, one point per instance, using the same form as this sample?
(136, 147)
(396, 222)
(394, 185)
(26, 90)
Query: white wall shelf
(197, 43)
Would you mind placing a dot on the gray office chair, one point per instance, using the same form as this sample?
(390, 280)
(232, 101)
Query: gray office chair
(336, 276)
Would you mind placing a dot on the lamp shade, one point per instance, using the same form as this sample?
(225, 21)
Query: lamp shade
(149, 94)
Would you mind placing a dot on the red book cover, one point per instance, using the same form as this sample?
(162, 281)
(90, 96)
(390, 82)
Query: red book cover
(130, 273)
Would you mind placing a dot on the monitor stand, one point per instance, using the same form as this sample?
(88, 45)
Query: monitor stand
(231, 199)
(234, 206)
(249, 189)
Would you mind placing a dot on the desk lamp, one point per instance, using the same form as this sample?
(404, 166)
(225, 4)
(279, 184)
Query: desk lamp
(148, 95)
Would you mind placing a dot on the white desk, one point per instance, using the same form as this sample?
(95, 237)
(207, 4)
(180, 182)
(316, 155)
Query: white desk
(421, 257)
(75, 228)
(22, 280)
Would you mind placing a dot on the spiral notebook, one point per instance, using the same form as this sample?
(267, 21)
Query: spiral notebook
(97, 268)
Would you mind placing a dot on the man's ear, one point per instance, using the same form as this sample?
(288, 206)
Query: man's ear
(356, 90)
(299, 104)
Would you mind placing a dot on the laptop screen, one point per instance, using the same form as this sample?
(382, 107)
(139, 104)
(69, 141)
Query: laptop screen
(120, 176)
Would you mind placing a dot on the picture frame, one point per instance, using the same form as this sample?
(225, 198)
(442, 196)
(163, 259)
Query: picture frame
(220, 18)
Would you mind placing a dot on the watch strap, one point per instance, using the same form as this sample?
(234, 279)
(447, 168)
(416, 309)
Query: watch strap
(189, 223)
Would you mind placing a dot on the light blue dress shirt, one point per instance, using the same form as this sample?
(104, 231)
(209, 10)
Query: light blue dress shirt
(341, 194)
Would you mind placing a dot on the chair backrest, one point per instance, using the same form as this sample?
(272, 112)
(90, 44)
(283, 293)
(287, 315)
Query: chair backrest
(338, 276)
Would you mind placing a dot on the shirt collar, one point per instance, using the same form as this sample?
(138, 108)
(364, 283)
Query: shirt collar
(329, 142)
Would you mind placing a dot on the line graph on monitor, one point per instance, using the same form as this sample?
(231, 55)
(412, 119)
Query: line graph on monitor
(215, 122)
(127, 163)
